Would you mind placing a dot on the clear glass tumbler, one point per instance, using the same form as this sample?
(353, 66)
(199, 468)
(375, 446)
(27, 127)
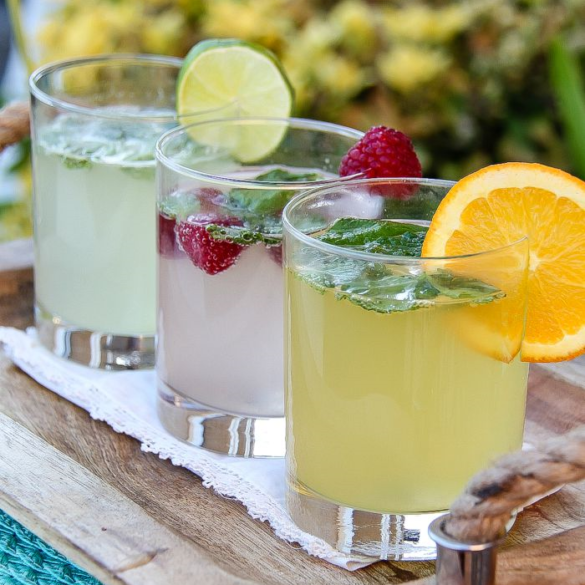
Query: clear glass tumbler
(222, 187)
(403, 373)
(95, 123)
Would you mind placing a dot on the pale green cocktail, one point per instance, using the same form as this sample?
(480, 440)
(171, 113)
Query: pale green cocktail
(94, 127)
(95, 225)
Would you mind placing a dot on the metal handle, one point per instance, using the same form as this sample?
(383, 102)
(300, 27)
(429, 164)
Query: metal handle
(461, 563)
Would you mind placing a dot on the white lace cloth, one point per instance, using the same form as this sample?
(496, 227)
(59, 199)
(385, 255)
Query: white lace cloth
(127, 402)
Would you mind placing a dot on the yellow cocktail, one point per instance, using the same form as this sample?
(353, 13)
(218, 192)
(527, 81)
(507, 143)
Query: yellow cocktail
(398, 385)
(393, 412)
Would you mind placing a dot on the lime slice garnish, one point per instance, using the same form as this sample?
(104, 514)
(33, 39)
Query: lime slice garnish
(225, 78)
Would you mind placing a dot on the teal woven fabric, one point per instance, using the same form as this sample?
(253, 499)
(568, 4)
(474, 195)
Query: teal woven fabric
(27, 560)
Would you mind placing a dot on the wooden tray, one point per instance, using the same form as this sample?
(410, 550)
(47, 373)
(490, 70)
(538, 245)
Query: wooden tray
(129, 517)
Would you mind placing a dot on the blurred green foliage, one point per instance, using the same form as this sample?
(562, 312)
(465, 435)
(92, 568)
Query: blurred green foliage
(567, 83)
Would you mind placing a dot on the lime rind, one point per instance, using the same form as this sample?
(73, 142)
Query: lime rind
(233, 78)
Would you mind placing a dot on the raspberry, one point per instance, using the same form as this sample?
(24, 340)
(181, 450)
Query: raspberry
(382, 152)
(212, 256)
(276, 253)
(210, 199)
(166, 235)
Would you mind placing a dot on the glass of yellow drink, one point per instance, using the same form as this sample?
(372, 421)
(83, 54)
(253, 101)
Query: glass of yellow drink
(402, 373)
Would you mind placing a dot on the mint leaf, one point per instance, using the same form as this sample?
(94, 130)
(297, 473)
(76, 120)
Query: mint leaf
(241, 235)
(76, 163)
(259, 210)
(256, 230)
(269, 201)
(389, 293)
(379, 287)
(286, 176)
(100, 140)
(324, 271)
(372, 286)
(266, 230)
(376, 236)
(461, 287)
(179, 205)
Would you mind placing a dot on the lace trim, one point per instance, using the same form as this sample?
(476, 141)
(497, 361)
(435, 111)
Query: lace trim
(27, 353)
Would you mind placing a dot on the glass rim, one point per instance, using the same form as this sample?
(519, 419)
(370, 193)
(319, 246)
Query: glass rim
(369, 256)
(106, 58)
(298, 123)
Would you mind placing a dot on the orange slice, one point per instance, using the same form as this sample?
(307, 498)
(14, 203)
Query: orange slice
(498, 205)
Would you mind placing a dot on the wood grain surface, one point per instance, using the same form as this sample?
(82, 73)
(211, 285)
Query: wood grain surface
(129, 517)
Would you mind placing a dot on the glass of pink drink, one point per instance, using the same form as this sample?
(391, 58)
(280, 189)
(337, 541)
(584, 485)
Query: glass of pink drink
(220, 293)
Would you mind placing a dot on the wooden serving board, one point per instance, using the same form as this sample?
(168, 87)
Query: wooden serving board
(128, 517)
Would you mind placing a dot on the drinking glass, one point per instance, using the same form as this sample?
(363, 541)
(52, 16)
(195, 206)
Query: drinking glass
(220, 349)
(403, 375)
(95, 123)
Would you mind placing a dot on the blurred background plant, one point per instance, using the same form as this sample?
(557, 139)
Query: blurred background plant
(568, 87)
(469, 80)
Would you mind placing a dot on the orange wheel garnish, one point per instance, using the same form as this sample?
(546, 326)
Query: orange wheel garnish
(500, 204)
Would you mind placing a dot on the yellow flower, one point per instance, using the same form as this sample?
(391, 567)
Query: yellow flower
(48, 34)
(154, 26)
(262, 21)
(302, 58)
(87, 33)
(316, 38)
(160, 33)
(406, 67)
(356, 21)
(339, 76)
(309, 45)
(422, 23)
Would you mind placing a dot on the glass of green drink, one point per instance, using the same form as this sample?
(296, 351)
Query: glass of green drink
(95, 123)
(403, 377)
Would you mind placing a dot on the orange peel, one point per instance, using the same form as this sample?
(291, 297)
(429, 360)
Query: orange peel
(497, 206)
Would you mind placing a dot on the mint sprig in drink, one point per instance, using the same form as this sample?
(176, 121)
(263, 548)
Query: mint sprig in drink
(95, 126)
(220, 335)
(394, 399)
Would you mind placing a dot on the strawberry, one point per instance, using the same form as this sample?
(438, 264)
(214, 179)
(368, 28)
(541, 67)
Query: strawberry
(210, 255)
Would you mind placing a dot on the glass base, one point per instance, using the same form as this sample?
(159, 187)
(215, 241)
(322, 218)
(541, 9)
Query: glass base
(392, 537)
(220, 432)
(94, 348)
